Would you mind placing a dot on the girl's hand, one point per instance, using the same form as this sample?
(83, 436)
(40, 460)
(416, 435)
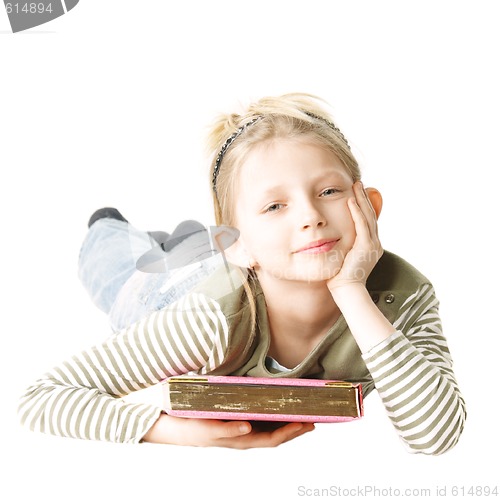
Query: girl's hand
(232, 434)
(366, 322)
(366, 250)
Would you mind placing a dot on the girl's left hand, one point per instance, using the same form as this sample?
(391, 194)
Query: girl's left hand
(366, 250)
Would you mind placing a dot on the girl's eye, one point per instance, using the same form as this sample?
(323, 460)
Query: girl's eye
(274, 207)
(329, 192)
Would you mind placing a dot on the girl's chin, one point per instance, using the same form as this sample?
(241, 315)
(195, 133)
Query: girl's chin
(304, 275)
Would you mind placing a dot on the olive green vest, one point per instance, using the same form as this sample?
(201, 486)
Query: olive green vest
(337, 356)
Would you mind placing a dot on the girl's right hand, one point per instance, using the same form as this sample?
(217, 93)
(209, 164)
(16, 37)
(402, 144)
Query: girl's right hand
(232, 434)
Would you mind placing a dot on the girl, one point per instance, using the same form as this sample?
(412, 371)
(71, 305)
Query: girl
(309, 293)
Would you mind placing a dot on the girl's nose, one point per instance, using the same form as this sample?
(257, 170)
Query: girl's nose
(312, 218)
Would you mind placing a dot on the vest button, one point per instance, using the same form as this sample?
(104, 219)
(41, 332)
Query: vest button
(389, 298)
(375, 297)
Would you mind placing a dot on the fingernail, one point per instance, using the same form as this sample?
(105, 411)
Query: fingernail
(244, 428)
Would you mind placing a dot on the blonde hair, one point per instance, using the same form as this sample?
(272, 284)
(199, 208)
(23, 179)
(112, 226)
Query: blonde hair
(293, 116)
(233, 136)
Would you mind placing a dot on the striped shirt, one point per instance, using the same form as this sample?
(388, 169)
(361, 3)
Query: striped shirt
(81, 398)
(414, 378)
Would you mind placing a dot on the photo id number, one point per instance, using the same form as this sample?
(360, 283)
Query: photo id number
(28, 8)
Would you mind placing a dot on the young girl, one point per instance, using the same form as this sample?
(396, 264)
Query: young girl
(309, 293)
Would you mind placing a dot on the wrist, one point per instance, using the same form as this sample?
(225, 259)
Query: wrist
(161, 431)
(347, 290)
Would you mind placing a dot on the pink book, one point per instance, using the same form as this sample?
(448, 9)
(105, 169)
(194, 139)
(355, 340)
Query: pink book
(262, 398)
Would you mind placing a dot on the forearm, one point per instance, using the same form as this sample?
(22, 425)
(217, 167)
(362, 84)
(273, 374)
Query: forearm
(55, 408)
(421, 397)
(411, 368)
(367, 324)
(83, 396)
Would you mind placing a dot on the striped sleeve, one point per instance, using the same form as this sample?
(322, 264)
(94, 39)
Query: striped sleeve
(413, 374)
(81, 398)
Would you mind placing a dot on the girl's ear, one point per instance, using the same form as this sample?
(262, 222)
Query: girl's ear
(237, 255)
(375, 199)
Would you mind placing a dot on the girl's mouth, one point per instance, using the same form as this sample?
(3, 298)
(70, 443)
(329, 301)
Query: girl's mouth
(319, 246)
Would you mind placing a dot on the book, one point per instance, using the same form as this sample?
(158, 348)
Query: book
(263, 399)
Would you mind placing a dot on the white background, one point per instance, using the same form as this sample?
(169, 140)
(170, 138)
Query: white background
(107, 106)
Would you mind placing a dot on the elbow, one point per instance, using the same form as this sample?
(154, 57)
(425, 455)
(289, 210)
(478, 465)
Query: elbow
(30, 408)
(440, 437)
(33, 405)
(25, 407)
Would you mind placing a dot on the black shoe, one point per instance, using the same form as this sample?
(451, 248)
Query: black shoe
(106, 212)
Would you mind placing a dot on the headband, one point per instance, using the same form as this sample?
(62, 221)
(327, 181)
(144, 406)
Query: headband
(238, 132)
(223, 150)
(330, 124)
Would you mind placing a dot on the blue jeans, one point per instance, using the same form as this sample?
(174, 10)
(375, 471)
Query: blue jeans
(107, 269)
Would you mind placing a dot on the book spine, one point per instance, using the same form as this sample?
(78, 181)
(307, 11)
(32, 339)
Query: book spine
(273, 417)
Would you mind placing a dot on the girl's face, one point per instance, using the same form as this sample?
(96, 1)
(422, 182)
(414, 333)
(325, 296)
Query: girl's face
(291, 211)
